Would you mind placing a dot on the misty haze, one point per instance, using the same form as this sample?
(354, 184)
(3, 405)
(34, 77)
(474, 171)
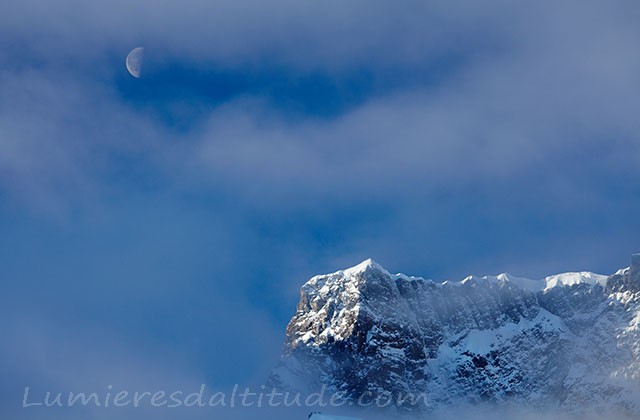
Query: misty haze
(206, 208)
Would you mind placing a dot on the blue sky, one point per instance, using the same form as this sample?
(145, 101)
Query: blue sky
(157, 230)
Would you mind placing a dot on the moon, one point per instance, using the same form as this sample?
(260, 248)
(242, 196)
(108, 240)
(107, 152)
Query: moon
(134, 61)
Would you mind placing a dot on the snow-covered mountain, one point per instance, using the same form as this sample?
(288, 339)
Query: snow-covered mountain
(570, 341)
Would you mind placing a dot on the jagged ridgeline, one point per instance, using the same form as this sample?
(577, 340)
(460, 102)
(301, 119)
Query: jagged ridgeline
(570, 341)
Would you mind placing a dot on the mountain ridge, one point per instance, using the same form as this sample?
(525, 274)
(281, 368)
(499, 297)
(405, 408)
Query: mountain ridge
(483, 339)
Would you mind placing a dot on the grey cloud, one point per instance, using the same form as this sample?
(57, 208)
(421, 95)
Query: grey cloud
(527, 140)
(547, 80)
(328, 35)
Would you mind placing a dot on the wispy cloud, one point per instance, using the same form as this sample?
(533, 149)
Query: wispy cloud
(272, 141)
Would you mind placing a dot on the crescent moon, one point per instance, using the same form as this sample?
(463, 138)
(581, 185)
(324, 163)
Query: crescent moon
(134, 61)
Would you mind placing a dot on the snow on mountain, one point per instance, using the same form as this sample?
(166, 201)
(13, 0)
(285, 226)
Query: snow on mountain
(571, 279)
(570, 340)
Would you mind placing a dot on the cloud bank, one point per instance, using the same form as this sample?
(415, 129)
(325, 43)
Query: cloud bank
(268, 142)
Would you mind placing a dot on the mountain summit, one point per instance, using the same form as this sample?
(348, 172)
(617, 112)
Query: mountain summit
(570, 340)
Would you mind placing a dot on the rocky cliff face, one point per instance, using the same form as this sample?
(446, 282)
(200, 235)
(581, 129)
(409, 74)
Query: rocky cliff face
(569, 341)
